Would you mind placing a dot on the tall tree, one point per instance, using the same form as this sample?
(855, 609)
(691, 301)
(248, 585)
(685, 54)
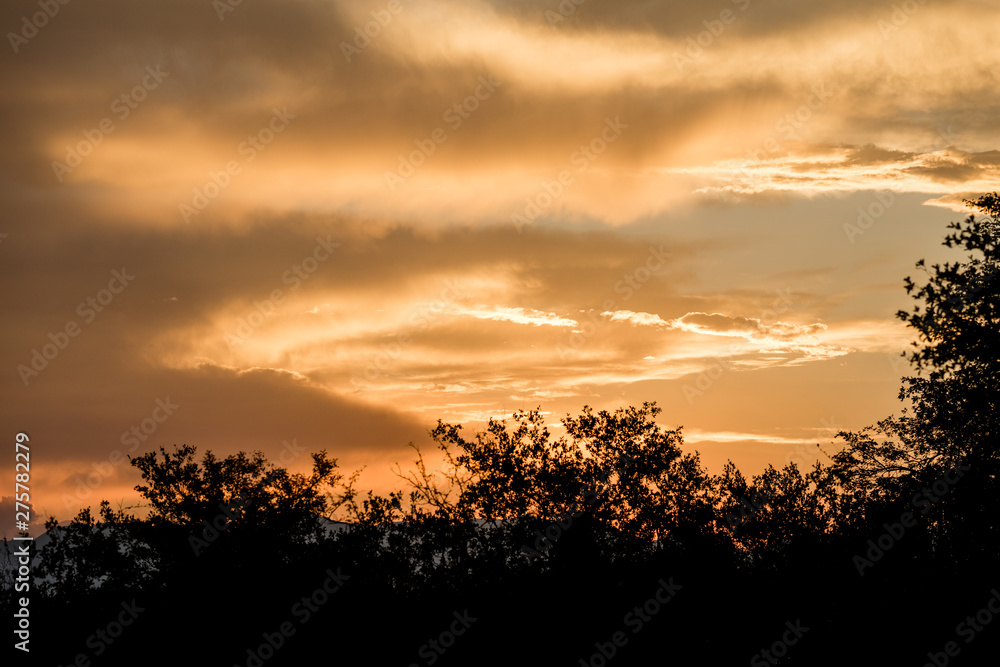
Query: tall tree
(942, 453)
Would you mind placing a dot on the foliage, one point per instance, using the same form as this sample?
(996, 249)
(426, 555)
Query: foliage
(512, 510)
(953, 418)
(254, 493)
(87, 555)
(959, 320)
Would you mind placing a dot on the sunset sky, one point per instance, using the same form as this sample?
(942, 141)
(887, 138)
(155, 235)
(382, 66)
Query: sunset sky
(328, 224)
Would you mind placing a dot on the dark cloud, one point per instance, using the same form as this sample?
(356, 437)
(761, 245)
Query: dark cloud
(751, 18)
(871, 154)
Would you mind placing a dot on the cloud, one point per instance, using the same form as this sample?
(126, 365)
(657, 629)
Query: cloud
(433, 304)
(717, 324)
(517, 315)
(692, 436)
(821, 169)
(954, 202)
(354, 121)
(636, 319)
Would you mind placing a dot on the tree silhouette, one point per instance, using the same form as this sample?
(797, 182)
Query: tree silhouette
(952, 423)
(108, 554)
(549, 538)
(618, 472)
(959, 322)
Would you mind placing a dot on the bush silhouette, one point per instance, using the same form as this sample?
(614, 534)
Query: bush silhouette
(550, 542)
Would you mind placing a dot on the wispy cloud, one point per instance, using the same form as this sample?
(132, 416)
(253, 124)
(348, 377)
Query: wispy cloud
(637, 319)
(517, 315)
(817, 169)
(693, 436)
(568, 312)
(716, 324)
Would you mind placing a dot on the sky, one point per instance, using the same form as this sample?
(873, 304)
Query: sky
(304, 225)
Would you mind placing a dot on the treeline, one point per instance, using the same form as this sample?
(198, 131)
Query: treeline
(606, 545)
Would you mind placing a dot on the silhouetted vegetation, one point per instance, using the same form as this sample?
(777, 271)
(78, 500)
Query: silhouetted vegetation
(549, 543)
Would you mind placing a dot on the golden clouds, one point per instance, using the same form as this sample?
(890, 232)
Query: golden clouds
(361, 117)
(536, 164)
(821, 169)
